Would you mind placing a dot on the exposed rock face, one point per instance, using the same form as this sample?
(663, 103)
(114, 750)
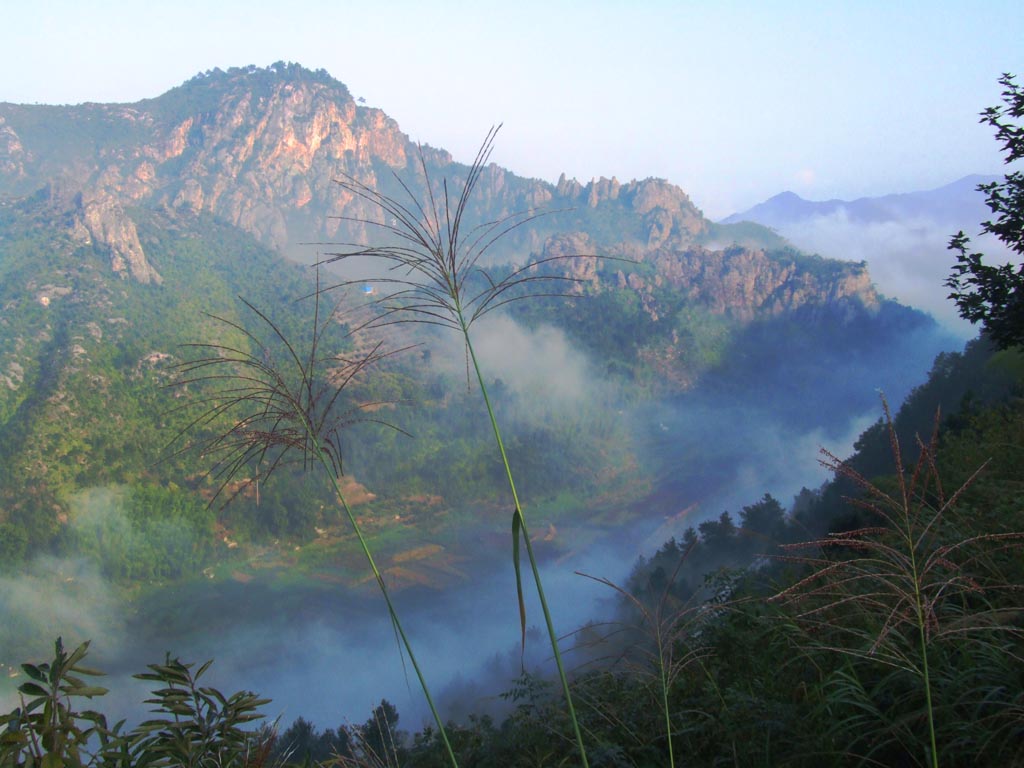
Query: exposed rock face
(101, 222)
(263, 148)
(744, 284)
(12, 152)
(669, 218)
(110, 228)
(740, 283)
(568, 247)
(259, 160)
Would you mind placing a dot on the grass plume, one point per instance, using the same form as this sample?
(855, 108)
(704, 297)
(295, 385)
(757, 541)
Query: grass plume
(663, 641)
(887, 592)
(435, 276)
(285, 403)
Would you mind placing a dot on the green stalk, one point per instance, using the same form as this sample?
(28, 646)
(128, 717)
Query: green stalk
(529, 546)
(926, 676)
(387, 599)
(927, 689)
(662, 673)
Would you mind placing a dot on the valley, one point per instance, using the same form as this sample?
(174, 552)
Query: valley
(655, 374)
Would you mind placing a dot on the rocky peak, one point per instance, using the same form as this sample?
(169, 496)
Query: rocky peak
(99, 220)
(746, 284)
(669, 218)
(255, 79)
(259, 148)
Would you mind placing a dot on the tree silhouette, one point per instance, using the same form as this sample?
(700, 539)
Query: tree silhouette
(994, 295)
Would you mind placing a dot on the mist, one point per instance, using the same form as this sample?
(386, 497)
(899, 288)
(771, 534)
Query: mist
(57, 596)
(540, 372)
(908, 258)
(323, 654)
(329, 654)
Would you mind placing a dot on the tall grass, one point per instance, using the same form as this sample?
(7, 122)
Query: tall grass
(891, 591)
(285, 403)
(435, 276)
(662, 642)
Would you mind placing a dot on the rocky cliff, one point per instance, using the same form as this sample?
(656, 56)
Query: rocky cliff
(124, 226)
(262, 149)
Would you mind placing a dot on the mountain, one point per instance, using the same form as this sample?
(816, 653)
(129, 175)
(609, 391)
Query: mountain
(901, 237)
(123, 227)
(262, 148)
(956, 202)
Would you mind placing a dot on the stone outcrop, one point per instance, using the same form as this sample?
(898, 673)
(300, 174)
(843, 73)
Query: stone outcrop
(101, 222)
(263, 149)
(744, 283)
(110, 228)
(12, 153)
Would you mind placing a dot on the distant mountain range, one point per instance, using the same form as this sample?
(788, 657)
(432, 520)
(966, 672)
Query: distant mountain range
(901, 237)
(956, 203)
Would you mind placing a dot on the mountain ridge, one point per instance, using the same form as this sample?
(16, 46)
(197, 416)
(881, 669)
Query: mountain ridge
(262, 148)
(199, 145)
(123, 226)
(949, 199)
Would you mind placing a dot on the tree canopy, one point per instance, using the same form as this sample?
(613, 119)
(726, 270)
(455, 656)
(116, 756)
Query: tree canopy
(994, 295)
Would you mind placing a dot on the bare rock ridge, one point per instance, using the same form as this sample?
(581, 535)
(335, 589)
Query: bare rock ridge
(100, 221)
(744, 284)
(261, 148)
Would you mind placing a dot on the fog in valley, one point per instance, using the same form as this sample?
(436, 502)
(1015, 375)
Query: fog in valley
(903, 238)
(330, 656)
(908, 259)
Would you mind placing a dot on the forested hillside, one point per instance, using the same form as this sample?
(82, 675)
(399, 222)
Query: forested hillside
(198, 433)
(125, 228)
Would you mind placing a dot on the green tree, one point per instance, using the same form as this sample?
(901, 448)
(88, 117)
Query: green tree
(302, 744)
(994, 295)
(379, 737)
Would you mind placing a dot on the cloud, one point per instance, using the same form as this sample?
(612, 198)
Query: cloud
(534, 362)
(539, 367)
(54, 597)
(908, 259)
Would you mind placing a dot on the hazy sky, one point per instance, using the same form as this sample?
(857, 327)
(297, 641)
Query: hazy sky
(733, 101)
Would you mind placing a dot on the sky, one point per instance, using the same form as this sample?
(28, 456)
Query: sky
(732, 101)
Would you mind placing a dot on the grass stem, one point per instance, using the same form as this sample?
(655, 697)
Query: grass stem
(520, 526)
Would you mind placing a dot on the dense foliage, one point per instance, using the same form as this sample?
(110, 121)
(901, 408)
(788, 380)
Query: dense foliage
(994, 295)
(779, 646)
(877, 621)
(193, 724)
